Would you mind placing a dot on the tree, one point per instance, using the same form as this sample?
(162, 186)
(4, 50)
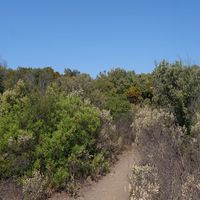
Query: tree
(2, 77)
(69, 72)
(34, 78)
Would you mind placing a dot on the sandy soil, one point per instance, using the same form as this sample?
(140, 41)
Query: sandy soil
(9, 191)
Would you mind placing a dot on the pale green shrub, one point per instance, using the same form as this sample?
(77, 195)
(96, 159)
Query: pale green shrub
(144, 183)
(148, 120)
(108, 141)
(160, 143)
(165, 146)
(191, 188)
(34, 188)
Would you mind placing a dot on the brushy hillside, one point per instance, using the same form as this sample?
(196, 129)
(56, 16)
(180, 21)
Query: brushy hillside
(57, 130)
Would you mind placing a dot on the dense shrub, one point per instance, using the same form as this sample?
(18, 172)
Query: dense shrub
(108, 141)
(68, 127)
(61, 136)
(16, 141)
(165, 147)
(67, 153)
(118, 106)
(176, 87)
(134, 94)
(144, 183)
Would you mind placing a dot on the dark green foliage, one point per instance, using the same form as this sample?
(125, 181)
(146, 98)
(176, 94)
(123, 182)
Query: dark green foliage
(118, 105)
(177, 88)
(145, 83)
(2, 77)
(67, 153)
(116, 81)
(16, 140)
(34, 78)
(56, 134)
(71, 73)
(109, 91)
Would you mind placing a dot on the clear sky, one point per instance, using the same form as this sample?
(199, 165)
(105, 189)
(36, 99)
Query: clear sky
(96, 35)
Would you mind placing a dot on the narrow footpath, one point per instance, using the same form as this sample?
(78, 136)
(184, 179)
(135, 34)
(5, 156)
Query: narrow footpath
(113, 186)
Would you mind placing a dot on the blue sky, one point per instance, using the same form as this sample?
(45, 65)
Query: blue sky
(97, 35)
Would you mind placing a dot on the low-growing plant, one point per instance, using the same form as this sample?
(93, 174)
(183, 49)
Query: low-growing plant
(144, 183)
(99, 166)
(35, 187)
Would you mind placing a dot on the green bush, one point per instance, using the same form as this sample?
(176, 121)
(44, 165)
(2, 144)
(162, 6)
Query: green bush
(66, 153)
(177, 88)
(16, 142)
(144, 183)
(118, 106)
(63, 137)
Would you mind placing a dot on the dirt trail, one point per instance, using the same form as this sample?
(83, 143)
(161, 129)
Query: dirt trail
(113, 186)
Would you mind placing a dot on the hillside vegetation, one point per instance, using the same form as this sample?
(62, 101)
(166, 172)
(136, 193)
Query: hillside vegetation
(56, 130)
